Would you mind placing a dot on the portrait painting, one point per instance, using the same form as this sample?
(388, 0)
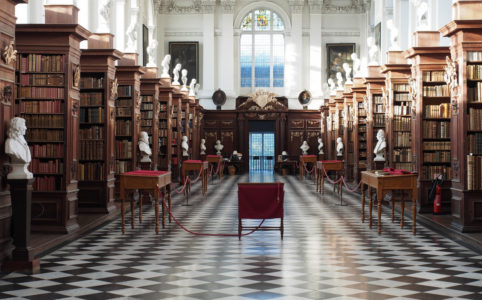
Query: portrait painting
(145, 44)
(186, 54)
(337, 55)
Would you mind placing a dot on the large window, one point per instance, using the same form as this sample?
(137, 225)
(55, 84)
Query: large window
(262, 49)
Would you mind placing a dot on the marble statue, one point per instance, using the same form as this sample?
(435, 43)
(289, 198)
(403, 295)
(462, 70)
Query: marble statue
(144, 147)
(284, 155)
(196, 88)
(203, 147)
(332, 85)
(17, 148)
(104, 13)
(320, 146)
(339, 147)
(132, 35)
(175, 72)
(192, 88)
(356, 65)
(422, 14)
(380, 146)
(184, 146)
(218, 147)
(166, 61)
(152, 53)
(347, 68)
(394, 44)
(326, 90)
(373, 51)
(184, 80)
(339, 80)
(305, 147)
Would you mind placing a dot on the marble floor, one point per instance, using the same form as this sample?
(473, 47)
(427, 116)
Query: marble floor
(327, 253)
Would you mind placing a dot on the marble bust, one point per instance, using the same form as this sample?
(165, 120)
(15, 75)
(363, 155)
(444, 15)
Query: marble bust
(305, 147)
(203, 147)
(184, 146)
(356, 65)
(339, 79)
(165, 66)
(380, 146)
(331, 84)
(218, 147)
(184, 80)
(373, 51)
(175, 73)
(17, 148)
(192, 87)
(320, 146)
(394, 44)
(347, 69)
(144, 147)
(339, 147)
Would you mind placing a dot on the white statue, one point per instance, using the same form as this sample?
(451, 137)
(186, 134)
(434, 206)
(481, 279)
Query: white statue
(184, 80)
(339, 79)
(192, 88)
(144, 147)
(196, 89)
(380, 146)
(185, 146)
(284, 155)
(165, 66)
(17, 148)
(373, 51)
(104, 13)
(203, 147)
(326, 90)
(218, 147)
(320, 146)
(152, 53)
(422, 14)
(347, 68)
(394, 44)
(356, 65)
(132, 35)
(305, 147)
(175, 72)
(332, 85)
(339, 147)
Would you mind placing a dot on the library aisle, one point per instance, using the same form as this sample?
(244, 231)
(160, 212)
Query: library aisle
(327, 253)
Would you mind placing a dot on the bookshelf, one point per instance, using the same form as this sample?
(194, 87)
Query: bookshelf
(165, 123)
(348, 139)
(331, 128)
(359, 128)
(195, 134)
(431, 149)
(97, 125)
(398, 116)
(48, 98)
(374, 82)
(176, 133)
(185, 128)
(466, 130)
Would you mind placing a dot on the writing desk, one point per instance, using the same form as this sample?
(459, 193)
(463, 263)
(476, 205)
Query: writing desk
(328, 165)
(197, 166)
(384, 184)
(217, 161)
(148, 181)
(305, 159)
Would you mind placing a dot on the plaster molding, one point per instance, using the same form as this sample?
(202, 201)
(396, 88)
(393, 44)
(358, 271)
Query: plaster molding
(185, 6)
(182, 33)
(340, 33)
(227, 6)
(296, 6)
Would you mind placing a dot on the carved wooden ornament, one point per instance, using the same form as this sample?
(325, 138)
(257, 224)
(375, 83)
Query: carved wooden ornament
(76, 76)
(113, 88)
(9, 54)
(451, 80)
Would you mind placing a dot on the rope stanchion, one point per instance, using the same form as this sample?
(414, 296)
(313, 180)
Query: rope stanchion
(349, 189)
(331, 181)
(306, 169)
(198, 176)
(202, 234)
(183, 187)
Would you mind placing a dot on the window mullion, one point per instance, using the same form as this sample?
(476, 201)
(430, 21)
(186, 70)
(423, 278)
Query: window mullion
(252, 60)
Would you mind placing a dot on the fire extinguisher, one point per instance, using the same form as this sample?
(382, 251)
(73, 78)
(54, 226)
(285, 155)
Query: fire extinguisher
(436, 194)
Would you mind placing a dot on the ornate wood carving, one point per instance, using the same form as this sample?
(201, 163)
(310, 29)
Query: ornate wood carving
(9, 54)
(76, 79)
(113, 88)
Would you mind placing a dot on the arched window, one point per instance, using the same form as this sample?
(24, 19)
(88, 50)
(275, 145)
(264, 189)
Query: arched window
(262, 49)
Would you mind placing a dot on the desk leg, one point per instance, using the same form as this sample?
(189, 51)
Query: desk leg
(156, 207)
(370, 206)
(122, 210)
(414, 210)
(402, 207)
(132, 211)
(163, 213)
(140, 207)
(341, 192)
(169, 200)
(393, 206)
(379, 210)
(322, 186)
(362, 203)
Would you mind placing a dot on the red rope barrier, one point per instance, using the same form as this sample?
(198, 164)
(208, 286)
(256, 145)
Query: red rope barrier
(198, 176)
(351, 190)
(306, 169)
(328, 178)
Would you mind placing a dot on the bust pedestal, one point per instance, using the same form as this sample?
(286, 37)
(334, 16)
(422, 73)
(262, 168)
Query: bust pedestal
(145, 196)
(378, 165)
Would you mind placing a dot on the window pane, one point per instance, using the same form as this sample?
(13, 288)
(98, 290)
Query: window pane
(277, 23)
(278, 60)
(246, 60)
(247, 22)
(261, 60)
(262, 20)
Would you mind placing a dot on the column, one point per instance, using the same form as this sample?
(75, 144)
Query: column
(226, 59)
(293, 55)
(316, 66)
(120, 24)
(208, 62)
(36, 12)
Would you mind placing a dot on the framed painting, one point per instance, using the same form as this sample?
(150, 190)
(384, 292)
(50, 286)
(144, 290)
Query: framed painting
(145, 44)
(378, 35)
(186, 54)
(337, 55)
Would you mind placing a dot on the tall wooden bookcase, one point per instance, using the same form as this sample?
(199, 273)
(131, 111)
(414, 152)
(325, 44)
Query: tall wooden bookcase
(165, 125)
(176, 133)
(374, 82)
(332, 132)
(128, 115)
(98, 89)
(359, 127)
(7, 95)
(195, 133)
(185, 129)
(465, 81)
(399, 112)
(150, 109)
(430, 144)
(348, 140)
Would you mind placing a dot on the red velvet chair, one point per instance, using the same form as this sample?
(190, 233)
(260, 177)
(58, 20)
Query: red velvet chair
(260, 201)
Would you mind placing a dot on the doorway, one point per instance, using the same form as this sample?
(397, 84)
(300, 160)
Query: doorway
(261, 151)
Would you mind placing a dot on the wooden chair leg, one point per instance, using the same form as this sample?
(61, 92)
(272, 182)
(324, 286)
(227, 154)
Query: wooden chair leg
(240, 226)
(282, 228)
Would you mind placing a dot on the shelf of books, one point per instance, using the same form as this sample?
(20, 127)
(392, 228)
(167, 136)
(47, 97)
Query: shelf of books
(348, 139)
(97, 124)
(190, 120)
(150, 111)
(185, 123)
(431, 118)
(359, 128)
(165, 123)
(374, 82)
(332, 128)
(465, 78)
(176, 134)
(48, 98)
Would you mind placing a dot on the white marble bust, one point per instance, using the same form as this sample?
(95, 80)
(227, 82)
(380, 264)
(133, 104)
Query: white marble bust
(185, 146)
(394, 44)
(320, 146)
(305, 147)
(203, 147)
(339, 147)
(347, 69)
(144, 147)
(380, 146)
(218, 147)
(339, 79)
(356, 65)
(184, 80)
(373, 51)
(192, 88)
(17, 148)
(165, 66)
(175, 74)
(152, 53)
(332, 85)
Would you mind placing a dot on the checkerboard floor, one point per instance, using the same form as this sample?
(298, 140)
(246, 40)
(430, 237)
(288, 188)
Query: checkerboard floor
(327, 253)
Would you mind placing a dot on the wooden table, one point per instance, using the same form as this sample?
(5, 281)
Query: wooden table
(150, 181)
(289, 164)
(383, 184)
(305, 159)
(199, 167)
(329, 165)
(217, 161)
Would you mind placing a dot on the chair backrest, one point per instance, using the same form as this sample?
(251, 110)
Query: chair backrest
(260, 200)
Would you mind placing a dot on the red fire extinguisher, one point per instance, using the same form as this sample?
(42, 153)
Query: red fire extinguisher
(436, 194)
